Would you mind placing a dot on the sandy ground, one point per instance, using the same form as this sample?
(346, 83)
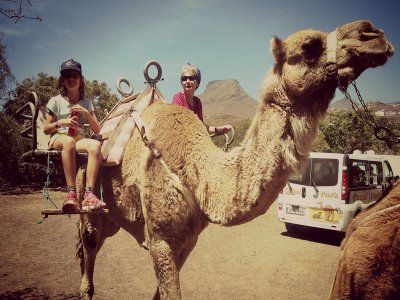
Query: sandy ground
(257, 260)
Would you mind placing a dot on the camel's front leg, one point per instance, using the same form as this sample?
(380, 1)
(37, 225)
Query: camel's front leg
(165, 266)
(89, 246)
(92, 235)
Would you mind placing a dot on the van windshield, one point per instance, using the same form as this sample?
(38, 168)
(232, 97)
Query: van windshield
(321, 171)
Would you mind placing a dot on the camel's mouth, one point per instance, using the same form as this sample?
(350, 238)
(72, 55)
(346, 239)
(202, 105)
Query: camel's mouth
(378, 58)
(378, 48)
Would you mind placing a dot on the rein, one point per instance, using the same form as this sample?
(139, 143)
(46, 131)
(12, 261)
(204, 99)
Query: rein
(385, 210)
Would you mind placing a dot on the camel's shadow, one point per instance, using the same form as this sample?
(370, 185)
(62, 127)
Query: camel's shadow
(35, 293)
(316, 235)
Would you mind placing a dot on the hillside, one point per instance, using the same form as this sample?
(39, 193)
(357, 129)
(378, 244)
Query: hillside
(226, 99)
(374, 106)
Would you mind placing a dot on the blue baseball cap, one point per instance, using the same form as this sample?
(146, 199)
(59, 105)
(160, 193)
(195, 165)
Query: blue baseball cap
(71, 64)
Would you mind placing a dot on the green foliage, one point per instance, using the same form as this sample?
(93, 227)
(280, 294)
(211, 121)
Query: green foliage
(44, 85)
(11, 148)
(101, 96)
(344, 132)
(6, 77)
(240, 126)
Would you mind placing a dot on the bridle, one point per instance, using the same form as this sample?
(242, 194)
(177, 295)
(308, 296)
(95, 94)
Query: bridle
(331, 45)
(381, 132)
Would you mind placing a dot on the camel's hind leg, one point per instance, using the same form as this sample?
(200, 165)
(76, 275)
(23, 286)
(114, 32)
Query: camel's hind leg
(93, 230)
(165, 267)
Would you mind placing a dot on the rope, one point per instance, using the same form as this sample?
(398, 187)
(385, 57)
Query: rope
(46, 193)
(384, 210)
(101, 181)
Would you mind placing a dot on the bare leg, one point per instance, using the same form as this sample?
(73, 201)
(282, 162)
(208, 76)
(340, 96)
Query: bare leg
(68, 146)
(93, 148)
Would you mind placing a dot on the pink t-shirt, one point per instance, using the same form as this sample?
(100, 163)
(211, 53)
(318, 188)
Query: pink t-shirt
(179, 99)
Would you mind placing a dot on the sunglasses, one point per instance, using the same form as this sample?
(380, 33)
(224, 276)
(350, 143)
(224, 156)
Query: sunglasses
(71, 75)
(191, 78)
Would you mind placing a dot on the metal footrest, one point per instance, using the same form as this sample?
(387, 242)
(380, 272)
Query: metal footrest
(53, 212)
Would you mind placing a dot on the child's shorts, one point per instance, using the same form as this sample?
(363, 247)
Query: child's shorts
(55, 136)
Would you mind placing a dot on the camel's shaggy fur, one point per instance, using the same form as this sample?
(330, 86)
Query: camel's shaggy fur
(369, 267)
(167, 202)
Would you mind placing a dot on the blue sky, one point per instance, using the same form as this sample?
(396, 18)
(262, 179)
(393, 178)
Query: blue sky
(225, 39)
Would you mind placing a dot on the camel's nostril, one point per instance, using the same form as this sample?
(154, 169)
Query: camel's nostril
(366, 36)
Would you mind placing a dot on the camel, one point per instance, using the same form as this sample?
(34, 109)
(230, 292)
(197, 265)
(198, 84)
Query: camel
(166, 202)
(369, 266)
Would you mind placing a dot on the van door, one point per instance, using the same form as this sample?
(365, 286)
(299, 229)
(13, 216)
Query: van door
(387, 176)
(375, 180)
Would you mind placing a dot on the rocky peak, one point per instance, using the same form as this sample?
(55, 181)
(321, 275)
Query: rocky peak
(227, 97)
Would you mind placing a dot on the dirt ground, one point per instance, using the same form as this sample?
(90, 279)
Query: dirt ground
(257, 260)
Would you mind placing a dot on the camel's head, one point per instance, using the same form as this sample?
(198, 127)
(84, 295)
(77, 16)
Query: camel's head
(311, 62)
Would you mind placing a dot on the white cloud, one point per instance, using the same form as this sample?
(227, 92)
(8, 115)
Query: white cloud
(13, 31)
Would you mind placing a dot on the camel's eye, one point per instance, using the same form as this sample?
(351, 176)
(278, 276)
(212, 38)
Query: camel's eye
(312, 49)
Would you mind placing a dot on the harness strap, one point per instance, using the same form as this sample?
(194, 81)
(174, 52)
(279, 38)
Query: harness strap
(379, 212)
(331, 45)
(113, 138)
(142, 127)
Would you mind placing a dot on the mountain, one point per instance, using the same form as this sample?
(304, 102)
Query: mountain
(376, 107)
(224, 99)
(343, 104)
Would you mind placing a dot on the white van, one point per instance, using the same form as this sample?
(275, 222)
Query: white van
(332, 189)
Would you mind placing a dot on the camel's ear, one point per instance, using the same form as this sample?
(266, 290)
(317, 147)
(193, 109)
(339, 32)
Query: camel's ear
(276, 46)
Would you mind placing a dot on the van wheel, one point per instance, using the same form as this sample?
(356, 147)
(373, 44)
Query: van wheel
(293, 228)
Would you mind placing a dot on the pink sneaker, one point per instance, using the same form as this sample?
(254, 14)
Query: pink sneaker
(70, 202)
(91, 202)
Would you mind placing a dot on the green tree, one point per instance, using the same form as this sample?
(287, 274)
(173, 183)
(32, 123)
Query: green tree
(44, 85)
(6, 77)
(101, 95)
(11, 148)
(344, 132)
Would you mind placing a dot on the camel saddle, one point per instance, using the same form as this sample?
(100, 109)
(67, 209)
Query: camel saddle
(118, 125)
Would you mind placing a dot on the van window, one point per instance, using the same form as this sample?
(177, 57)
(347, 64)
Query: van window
(319, 171)
(302, 178)
(358, 173)
(376, 173)
(324, 171)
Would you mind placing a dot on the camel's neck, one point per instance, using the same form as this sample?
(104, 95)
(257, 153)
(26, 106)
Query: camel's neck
(242, 184)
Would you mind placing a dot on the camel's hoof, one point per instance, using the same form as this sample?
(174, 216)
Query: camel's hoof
(86, 297)
(88, 294)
